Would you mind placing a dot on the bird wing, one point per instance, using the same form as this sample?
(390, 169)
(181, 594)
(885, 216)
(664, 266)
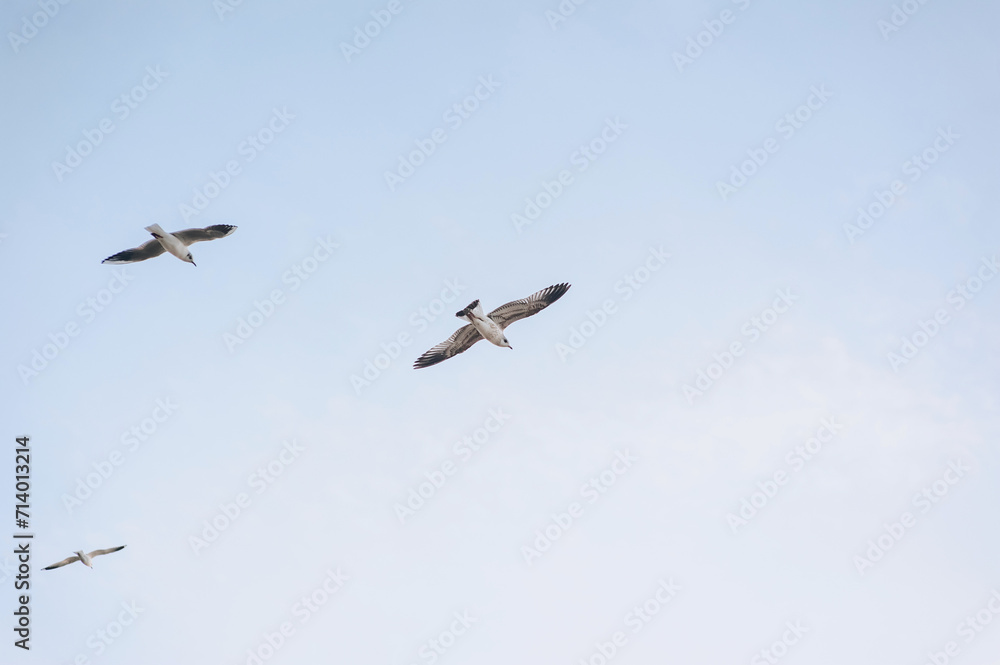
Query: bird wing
(191, 236)
(504, 315)
(107, 551)
(144, 251)
(463, 338)
(69, 559)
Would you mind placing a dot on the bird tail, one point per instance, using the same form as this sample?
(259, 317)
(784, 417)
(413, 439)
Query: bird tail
(471, 307)
(156, 230)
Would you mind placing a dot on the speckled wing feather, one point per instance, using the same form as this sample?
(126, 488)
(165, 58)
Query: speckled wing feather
(463, 338)
(504, 315)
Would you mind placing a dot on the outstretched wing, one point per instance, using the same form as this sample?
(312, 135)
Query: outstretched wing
(191, 236)
(463, 338)
(504, 315)
(141, 253)
(107, 551)
(69, 559)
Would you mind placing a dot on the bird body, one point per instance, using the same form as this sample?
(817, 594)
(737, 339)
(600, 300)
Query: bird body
(175, 243)
(483, 324)
(491, 326)
(170, 243)
(85, 559)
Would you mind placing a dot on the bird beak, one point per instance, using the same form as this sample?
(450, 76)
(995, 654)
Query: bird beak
(194, 264)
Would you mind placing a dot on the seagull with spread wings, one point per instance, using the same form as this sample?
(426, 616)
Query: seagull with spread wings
(490, 327)
(85, 558)
(176, 243)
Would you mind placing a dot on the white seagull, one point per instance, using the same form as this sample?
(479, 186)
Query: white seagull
(85, 558)
(176, 243)
(490, 327)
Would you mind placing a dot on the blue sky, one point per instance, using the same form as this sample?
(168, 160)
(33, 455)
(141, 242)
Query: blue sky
(308, 134)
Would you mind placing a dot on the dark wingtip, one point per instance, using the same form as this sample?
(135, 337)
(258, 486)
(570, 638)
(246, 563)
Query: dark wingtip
(557, 291)
(423, 361)
(226, 228)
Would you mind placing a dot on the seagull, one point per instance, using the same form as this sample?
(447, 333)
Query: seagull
(85, 558)
(176, 243)
(490, 327)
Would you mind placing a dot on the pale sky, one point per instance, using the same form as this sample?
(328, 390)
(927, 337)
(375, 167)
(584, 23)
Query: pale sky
(760, 427)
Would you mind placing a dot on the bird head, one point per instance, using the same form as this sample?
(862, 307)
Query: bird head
(507, 344)
(190, 259)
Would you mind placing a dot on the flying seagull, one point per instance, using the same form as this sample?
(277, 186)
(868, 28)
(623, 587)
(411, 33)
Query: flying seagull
(85, 558)
(176, 243)
(490, 327)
